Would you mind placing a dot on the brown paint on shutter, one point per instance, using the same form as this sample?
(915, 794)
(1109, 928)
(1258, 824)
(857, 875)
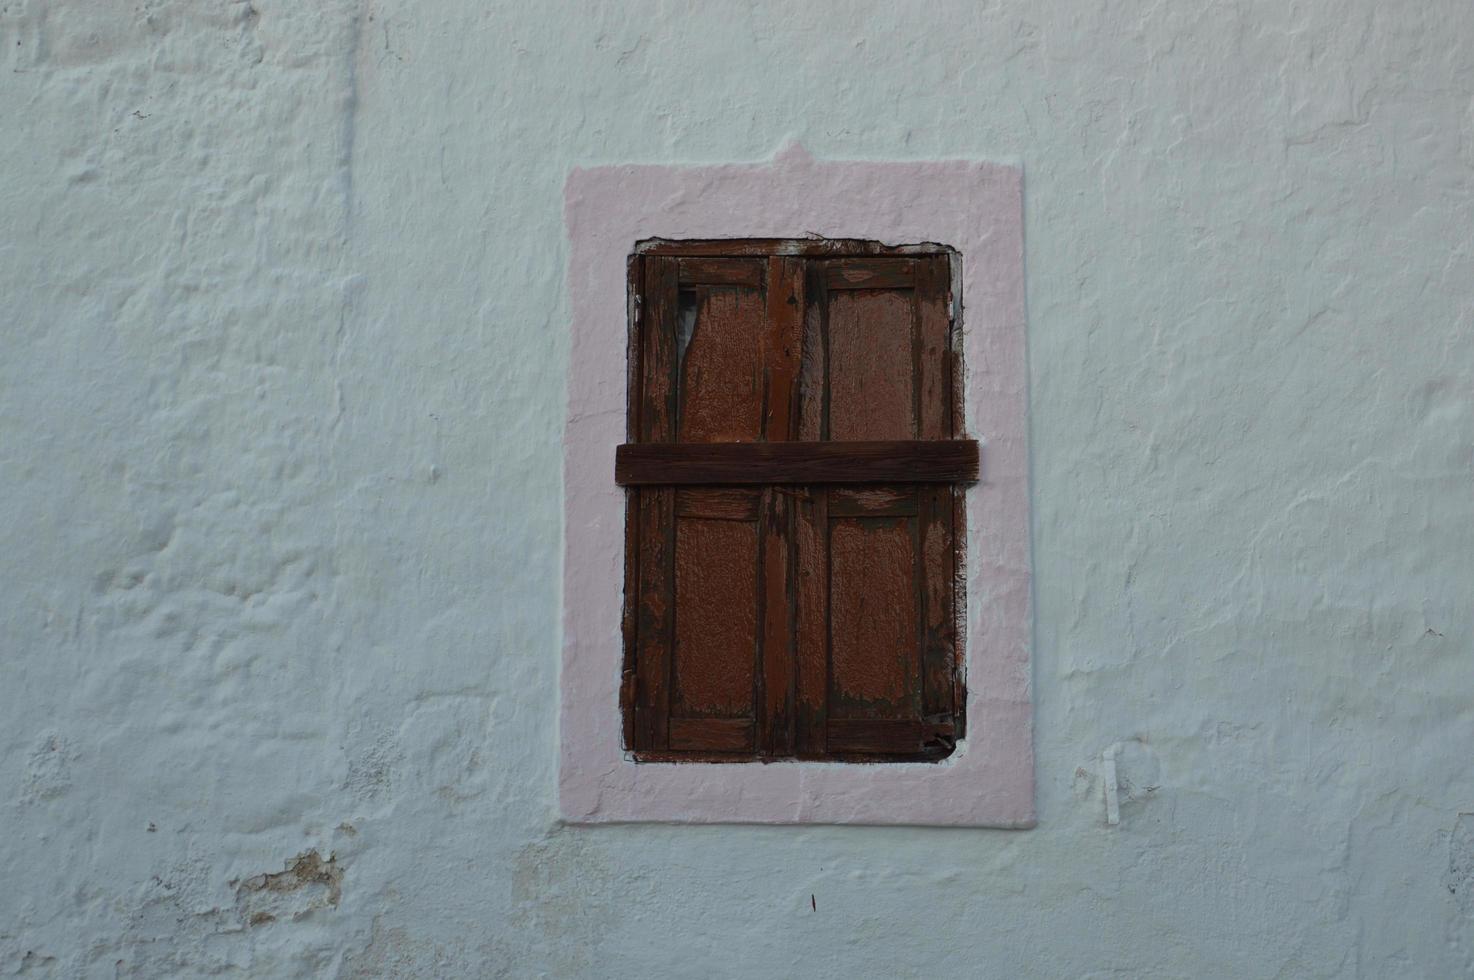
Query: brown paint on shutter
(628, 681)
(721, 272)
(793, 617)
(656, 520)
(871, 365)
(714, 735)
(872, 502)
(655, 616)
(870, 274)
(718, 503)
(888, 356)
(657, 351)
(784, 343)
(813, 388)
(811, 623)
(719, 348)
(934, 357)
(937, 542)
(775, 720)
(872, 618)
(917, 740)
(716, 599)
(782, 349)
(938, 638)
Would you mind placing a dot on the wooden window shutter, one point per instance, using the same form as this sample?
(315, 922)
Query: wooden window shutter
(794, 464)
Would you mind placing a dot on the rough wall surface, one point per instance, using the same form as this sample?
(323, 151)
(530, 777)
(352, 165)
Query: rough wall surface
(280, 413)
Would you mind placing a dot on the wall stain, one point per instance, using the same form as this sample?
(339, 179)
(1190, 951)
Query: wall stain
(1460, 880)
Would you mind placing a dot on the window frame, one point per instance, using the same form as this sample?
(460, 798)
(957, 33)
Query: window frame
(975, 206)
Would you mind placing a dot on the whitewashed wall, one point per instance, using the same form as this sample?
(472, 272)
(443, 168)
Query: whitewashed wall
(281, 397)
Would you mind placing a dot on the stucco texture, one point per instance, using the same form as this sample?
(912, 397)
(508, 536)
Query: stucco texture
(282, 397)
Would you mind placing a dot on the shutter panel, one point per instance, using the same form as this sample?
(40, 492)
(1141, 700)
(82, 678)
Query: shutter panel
(705, 554)
(877, 573)
(809, 620)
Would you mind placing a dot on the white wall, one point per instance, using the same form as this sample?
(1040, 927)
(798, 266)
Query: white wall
(281, 395)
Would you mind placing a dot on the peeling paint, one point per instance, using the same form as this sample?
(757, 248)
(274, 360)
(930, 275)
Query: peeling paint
(308, 884)
(306, 870)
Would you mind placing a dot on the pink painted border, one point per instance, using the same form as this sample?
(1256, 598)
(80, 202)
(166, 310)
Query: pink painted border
(978, 209)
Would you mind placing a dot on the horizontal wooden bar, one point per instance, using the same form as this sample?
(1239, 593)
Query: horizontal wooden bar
(900, 461)
(721, 272)
(887, 737)
(711, 734)
(870, 274)
(810, 247)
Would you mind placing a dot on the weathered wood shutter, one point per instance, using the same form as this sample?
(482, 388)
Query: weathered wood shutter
(794, 512)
